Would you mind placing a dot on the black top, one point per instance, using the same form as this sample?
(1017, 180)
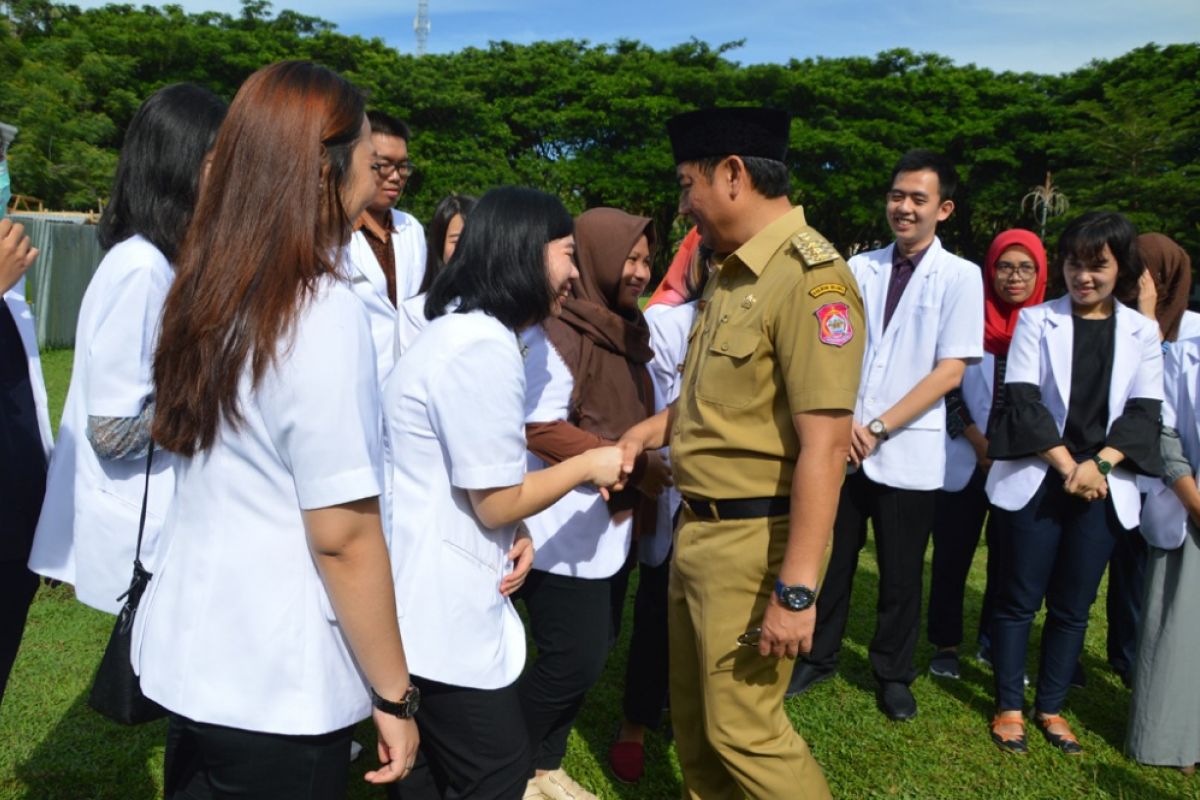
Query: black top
(22, 458)
(1022, 425)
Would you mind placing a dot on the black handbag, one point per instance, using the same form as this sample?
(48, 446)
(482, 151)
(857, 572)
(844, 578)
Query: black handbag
(116, 691)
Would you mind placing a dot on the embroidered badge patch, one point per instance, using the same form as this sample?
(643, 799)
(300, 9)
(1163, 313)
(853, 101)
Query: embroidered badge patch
(826, 288)
(834, 319)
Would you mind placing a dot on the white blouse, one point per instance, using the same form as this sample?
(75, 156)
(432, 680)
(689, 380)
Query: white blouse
(454, 407)
(577, 536)
(88, 528)
(236, 627)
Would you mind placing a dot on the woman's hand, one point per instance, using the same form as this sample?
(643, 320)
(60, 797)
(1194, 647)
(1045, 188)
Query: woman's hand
(656, 477)
(1086, 482)
(522, 557)
(398, 740)
(979, 444)
(16, 254)
(1147, 294)
(606, 469)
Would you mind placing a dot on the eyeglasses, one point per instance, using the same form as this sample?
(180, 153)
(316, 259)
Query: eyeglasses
(1022, 271)
(384, 169)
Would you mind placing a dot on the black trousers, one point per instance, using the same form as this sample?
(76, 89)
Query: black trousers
(473, 745)
(957, 521)
(574, 623)
(17, 587)
(1123, 603)
(214, 762)
(901, 519)
(646, 671)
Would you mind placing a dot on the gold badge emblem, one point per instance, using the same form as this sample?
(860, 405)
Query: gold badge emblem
(813, 248)
(749, 300)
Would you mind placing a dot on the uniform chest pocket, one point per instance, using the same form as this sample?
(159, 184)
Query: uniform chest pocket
(728, 374)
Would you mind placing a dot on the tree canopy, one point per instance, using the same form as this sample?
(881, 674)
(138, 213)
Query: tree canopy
(587, 121)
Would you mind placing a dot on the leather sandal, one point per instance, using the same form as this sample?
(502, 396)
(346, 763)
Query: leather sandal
(1065, 742)
(1009, 744)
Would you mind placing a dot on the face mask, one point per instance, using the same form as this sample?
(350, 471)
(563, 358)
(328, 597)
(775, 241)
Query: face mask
(5, 188)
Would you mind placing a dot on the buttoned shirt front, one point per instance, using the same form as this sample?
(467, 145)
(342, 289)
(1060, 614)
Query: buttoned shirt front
(780, 331)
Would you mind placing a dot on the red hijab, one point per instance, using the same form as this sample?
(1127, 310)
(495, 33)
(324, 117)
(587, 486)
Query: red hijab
(1000, 316)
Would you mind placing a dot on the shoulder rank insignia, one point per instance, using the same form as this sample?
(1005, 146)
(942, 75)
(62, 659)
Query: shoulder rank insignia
(826, 288)
(813, 248)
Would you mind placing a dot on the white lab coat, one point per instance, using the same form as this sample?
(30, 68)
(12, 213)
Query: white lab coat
(455, 411)
(669, 327)
(977, 396)
(236, 627)
(370, 285)
(87, 533)
(1164, 520)
(939, 316)
(23, 316)
(1041, 354)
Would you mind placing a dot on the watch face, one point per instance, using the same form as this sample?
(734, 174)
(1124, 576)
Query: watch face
(876, 428)
(798, 598)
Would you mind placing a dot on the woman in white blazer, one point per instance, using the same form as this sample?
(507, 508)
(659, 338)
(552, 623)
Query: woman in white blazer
(455, 411)
(88, 526)
(1083, 390)
(1164, 711)
(25, 440)
(269, 628)
(1014, 277)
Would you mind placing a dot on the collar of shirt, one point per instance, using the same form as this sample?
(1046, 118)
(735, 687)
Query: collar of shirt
(763, 246)
(371, 224)
(915, 259)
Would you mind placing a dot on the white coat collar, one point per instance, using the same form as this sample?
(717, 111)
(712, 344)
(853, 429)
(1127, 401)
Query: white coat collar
(1060, 338)
(926, 270)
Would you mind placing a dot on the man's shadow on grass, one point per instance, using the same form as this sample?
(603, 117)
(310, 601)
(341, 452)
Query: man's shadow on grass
(87, 756)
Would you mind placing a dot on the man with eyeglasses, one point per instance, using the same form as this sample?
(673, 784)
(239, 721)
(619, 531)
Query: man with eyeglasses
(387, 249)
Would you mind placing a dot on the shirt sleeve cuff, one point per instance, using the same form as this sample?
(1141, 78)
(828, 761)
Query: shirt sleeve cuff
(810, 399)
(324, 491)
(491, 476)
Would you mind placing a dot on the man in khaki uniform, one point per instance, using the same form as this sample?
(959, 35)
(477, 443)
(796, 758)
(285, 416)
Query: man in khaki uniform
(761, 429)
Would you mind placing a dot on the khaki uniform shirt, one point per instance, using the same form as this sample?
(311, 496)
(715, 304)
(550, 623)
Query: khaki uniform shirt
(780, 330)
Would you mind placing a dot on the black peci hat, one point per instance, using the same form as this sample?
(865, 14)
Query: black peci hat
(740, 131)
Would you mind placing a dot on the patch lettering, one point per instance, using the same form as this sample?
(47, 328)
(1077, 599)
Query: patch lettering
(826, 288)
(834, 321)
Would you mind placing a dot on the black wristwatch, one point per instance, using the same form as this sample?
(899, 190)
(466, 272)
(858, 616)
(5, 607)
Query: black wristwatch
(795, 598)
(878, 429)
(404, 709)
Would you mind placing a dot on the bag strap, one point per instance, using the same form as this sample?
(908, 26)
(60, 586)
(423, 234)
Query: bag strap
(137, 556)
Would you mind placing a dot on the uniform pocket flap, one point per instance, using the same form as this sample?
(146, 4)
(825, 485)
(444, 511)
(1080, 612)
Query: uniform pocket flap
(735, 342)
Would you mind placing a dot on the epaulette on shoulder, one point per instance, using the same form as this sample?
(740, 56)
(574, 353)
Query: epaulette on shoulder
(813, 248)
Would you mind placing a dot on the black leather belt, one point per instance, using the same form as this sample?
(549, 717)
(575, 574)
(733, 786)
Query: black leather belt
(744, 508)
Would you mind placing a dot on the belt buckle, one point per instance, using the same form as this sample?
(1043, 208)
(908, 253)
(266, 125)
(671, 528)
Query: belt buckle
(712, 509)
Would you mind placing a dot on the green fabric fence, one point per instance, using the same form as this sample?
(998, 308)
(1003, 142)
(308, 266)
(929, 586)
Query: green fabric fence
(69, 254)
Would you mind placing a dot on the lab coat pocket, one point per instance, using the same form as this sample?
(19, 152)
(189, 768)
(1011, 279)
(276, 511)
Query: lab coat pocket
(727, 376)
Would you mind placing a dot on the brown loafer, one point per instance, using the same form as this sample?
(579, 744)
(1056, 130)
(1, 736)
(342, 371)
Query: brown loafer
(1009, 744)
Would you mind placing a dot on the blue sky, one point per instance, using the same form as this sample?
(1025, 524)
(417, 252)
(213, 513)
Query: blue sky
(1047, 36)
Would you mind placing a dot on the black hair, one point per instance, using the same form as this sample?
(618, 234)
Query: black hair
(698, 273)
(435, 241)
(388, 125)
(1083, 241)
(499, 265)
(918, 160)
(769, 177)
(158, 174)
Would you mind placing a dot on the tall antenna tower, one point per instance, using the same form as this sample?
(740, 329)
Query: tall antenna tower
(421, 26)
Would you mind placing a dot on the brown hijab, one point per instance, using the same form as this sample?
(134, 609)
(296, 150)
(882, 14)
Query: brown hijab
(1172, 271)
(606, 348)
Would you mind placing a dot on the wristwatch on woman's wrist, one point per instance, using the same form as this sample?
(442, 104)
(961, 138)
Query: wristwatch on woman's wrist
(1104, 466)
(404, 709)
(878, 429)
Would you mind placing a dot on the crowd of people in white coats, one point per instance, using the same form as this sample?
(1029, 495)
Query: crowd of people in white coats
(356, 449)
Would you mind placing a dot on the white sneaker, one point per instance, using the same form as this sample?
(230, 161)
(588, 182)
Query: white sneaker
(533, 791)
(558, 785)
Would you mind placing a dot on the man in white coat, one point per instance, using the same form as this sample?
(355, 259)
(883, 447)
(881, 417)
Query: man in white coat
(25, 438)
(924, 324)
(387, 250)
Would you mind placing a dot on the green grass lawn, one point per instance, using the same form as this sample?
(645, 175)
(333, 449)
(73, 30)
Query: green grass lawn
(52, 746)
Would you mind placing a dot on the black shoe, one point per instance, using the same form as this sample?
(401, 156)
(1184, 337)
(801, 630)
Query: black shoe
(896, 701)
(1078, 677)
(805, 676)
(944, 664)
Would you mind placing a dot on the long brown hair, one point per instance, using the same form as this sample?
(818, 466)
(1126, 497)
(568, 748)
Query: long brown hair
(268, 225)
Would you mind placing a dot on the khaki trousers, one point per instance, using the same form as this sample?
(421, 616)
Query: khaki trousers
(732, 735)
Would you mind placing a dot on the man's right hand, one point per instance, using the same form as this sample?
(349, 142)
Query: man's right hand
(16, 254)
